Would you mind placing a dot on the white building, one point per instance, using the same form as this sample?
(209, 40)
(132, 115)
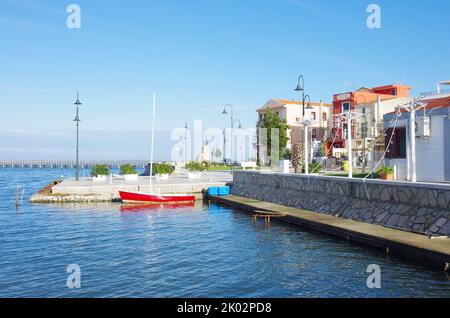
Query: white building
(321, 115)
(370, 125)
(432, 142)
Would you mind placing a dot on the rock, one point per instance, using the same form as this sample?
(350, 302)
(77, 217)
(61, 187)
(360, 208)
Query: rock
(393, 220)
(367, 216)
(381, 217)
(402, 221)
(385, 195)
(433, 229)
(441, 222)
(420, 220)
(445, 230)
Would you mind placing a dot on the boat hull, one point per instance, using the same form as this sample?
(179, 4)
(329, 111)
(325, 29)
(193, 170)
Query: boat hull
(139, 198)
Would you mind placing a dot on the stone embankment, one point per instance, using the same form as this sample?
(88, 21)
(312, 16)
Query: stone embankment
(40, 198)
(46, 195)
(419, 207)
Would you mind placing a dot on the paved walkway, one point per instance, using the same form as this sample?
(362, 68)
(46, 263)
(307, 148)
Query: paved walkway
(177, 183)
(435, 252)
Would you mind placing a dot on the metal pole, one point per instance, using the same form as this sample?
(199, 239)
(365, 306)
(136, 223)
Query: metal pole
(305, 142)
(303, 95)
(232, 137)
(153, 141)
(372, 150)
(77, 120)
(412, 135)
(349, 145)
(224, 155)
(78, 172)
(185, 143)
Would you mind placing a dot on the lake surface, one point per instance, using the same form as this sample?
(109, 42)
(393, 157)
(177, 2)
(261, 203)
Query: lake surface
(198, 251)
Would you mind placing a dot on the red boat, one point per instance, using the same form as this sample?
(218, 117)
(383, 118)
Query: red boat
(139, 197)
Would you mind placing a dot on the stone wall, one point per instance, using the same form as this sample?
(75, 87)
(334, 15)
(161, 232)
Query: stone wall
(417, 207)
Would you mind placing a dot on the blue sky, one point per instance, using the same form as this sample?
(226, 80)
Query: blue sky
(197, 56)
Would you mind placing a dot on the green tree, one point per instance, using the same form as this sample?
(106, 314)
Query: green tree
(271, 121)
(218, 154)
(128, 169)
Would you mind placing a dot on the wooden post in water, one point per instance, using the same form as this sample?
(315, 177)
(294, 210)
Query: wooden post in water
(17, 197)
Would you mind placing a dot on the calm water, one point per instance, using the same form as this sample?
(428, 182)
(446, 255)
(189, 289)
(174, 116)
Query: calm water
(201, 251)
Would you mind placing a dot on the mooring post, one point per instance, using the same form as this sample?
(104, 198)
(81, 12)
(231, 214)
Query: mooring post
(21, 199)
(17, 196)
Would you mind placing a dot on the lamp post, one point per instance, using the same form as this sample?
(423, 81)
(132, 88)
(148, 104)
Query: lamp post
(306, 123)
(239, 122)
(301, 88)
(225, 112)
(77, 120)
(412, 107)
(185, 142)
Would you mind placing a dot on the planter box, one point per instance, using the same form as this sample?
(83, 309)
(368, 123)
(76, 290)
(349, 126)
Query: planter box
(284, 166)
(99, 179)
(164, 176)
(131, 177)
(194, 175)
(385, 176)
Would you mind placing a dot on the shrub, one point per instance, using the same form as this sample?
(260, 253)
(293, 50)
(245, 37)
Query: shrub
(385, 170)
(207, 164)
(315, 167)
(100, 170)
(196, 166)
(127, 169)
(162, 168)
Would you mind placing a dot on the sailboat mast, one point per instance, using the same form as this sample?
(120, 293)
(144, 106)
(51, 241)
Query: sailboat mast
(153, 141)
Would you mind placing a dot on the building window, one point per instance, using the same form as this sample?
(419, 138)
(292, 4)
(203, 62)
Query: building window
(324, 116)
(314, 133)
(345, 107)
(397, 148)
(394, 92)
(313, 115)
(344, 131)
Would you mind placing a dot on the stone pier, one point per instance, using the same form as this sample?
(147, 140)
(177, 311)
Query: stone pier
(87, 190)
(416, 207)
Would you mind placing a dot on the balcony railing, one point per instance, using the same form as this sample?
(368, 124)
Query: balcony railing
(431, 93)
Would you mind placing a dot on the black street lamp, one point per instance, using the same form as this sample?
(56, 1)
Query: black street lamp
(232, 121)
(77, 120)
(301, 88)
(185, 142)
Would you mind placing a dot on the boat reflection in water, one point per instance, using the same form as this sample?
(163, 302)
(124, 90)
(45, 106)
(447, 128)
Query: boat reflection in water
(154, 207)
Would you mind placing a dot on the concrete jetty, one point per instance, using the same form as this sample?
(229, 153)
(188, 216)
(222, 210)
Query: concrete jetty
(422, 248)
(88, 190)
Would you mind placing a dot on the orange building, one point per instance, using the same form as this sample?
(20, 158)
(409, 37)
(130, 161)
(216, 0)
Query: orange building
(369, 97)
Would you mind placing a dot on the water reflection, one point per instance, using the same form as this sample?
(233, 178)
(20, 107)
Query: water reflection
(183, 251)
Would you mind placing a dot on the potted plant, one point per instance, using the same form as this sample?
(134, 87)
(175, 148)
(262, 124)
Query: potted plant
(163, 170)
(386, 173)
(129, 172)
(99, 172)
(195, 169)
